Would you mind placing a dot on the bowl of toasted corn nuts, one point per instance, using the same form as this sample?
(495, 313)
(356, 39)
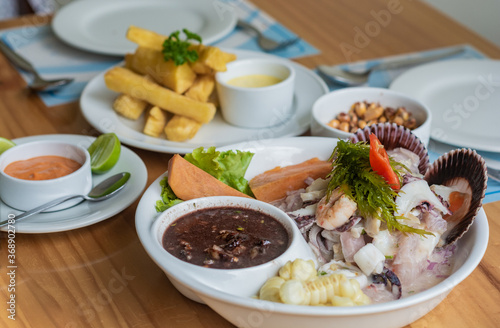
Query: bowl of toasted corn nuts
(340, 113)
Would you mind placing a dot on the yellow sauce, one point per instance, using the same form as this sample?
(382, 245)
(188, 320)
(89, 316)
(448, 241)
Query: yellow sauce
(42, 168)
(254, 81)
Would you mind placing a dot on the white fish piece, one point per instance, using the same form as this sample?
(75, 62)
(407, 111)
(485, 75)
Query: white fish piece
(350, 245)
(443, 191)
(372, 226)
(312, 196)
(427, 244)
(411, 259)
(315, 190)
(413, 194)
(369, 259)
(356, 231)
(331, 235)
(308, 210)
(318, 185)
(407, 158)
(386, 243)
(348, 270)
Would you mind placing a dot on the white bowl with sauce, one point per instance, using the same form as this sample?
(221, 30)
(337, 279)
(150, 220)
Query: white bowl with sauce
(25, 193)
(242, 281)
(256, 93)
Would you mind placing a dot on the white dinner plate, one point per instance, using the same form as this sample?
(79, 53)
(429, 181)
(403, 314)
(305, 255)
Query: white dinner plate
(100, 25)
(464, 98)
(96, 105)
(85, 213)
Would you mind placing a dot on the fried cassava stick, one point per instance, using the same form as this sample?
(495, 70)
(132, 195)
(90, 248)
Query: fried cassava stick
(123, 80)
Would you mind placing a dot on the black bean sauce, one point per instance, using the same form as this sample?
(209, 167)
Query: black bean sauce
(226, 238)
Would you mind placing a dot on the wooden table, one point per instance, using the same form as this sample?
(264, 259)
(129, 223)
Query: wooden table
(100, 276)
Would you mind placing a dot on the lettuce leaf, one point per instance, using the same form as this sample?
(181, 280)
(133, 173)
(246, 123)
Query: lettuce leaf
(168, 197)
(227, 166)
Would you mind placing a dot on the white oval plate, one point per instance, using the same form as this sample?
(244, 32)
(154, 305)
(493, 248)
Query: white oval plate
(249, 312)
(100, 26)
(85, 213)
(96, 105)
(463, 96)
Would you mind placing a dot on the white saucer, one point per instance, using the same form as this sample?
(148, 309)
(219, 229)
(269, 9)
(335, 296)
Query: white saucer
(85, 213)
(463, 96)
(100, 26)
(96, 104)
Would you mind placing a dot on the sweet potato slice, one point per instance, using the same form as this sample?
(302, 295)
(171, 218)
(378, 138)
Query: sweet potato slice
(189, 182)
(276, 183)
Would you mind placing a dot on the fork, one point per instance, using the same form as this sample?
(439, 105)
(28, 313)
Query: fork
(349, 77)
(494, 174)
(38, 83)
(264, 42)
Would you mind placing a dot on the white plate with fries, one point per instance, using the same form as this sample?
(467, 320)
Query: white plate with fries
(97, 100)
(100, 26)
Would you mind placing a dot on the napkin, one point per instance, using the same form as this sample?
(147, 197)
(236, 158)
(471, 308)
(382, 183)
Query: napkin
(383, 78)
(54, 59)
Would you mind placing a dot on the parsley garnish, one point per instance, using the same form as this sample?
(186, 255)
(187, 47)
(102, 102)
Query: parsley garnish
(354, 176)
(178, 50)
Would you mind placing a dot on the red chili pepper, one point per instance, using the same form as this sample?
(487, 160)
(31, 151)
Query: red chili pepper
(379, 161)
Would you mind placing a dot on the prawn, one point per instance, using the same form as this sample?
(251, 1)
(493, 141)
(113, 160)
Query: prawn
(334, 211)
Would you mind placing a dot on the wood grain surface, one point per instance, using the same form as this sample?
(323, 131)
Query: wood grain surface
(100, 276)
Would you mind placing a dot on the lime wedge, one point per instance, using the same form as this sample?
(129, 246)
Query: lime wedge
(5, 144)
(104, 153)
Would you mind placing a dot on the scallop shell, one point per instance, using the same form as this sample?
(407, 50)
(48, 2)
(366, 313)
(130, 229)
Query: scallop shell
(466, 171)
(393, 136)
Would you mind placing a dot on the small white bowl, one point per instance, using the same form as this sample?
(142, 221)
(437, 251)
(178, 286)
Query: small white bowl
(328, 106)
(26, 194)
(241, 282)
(259, 107)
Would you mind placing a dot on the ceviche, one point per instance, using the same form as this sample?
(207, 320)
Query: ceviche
(379, 222)
(382, 222)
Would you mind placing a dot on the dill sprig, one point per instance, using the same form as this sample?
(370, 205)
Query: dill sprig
(353, 175)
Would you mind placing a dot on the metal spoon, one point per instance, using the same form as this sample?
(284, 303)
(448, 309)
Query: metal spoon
(264, 42)
(102, 191)
(344, 76)
(38, 84)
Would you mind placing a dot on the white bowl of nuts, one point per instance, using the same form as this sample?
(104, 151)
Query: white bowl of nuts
(340, 113)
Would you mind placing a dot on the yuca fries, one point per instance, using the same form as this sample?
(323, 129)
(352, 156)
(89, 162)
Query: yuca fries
(123, 80)
(155, 122)
(202, 88)
(145, 38)
(129, 107)
(151, 62)
(187, 91)
(211, 59)
(181, 128)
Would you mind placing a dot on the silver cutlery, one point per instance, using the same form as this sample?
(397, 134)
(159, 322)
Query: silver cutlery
(347, 77)
(38, 83)
(493, 174)
(102, 191)
(264, 42)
